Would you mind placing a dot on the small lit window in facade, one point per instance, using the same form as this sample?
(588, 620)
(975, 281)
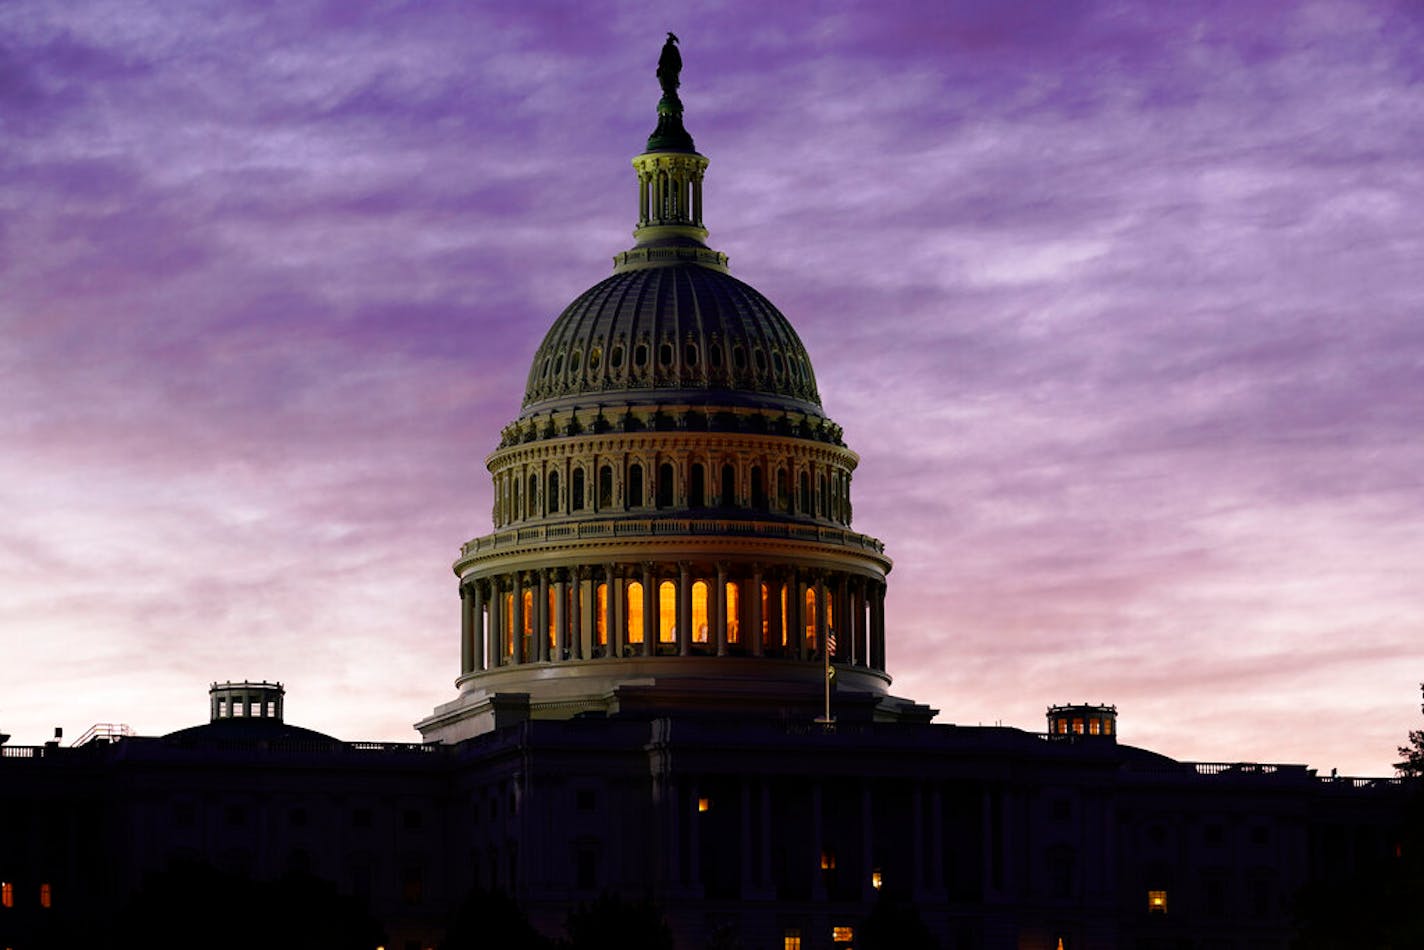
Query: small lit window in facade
(7, 894)
(842, 934)
(1157, 902)
(46, 895)
(828, 860)
(877, 880)
(704, 804)
(791, 940)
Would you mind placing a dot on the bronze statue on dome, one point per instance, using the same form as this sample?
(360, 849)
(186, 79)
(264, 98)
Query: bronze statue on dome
(669, 66)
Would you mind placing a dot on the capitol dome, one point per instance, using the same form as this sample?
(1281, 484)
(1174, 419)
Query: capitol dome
(671, 506)
(684, 330)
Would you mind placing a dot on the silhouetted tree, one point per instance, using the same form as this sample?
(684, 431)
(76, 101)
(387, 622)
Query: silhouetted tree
(489, 920)
(1382, 904)
(192, 905)
(894, 925)
(611, 923)
(1411, 764)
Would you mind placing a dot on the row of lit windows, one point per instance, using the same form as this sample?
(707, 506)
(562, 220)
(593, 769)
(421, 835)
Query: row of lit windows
(7, 894)
(530, 496)
(666, 614)
(1078, 726)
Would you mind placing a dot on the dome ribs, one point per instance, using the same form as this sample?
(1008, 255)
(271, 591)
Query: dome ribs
(685, 306)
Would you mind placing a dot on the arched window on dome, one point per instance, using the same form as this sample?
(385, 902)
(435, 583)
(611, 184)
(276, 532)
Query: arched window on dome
(665, 352)
(635, 485)
(701, 632)
(666, 484)
(514, 509)
(633, 611)
(803, 499)
(697, 486)
(783, 489)
(605, 488)
(667, 613)
(729, 486)
(551, 495)
(758, 489)
(576, 490)
(734, 613)
(531, 497)
(825, 505)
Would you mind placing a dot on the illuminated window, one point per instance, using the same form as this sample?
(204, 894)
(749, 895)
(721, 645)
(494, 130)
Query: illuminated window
(601, 615)
(667, 612)
(527, 621)
(553, 606)
(699, 612)
(1107, 727)
(635, 612)
(704, 804)
(842, 934)
(1157, 902)
(828, 860)
(792, 940)
(1077, 727)
(46, 895)
(734, 610)
(810, 617)
(785, 593)
(509, 624)
(7, 894)
(876, 880)
(1094, 727)
(765, 613)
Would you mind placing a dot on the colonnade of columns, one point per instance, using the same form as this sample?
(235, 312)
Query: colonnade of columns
(670, 192)
(670, 609)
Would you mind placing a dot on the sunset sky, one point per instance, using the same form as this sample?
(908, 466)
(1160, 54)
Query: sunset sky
(1121, 304)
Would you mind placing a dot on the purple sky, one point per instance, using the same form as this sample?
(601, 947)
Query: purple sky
(1120, 305)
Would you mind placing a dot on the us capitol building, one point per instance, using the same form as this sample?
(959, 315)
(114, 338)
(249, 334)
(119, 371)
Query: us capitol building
(673, 687)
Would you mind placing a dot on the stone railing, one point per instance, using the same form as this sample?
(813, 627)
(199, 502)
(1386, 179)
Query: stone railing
(644, 527)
